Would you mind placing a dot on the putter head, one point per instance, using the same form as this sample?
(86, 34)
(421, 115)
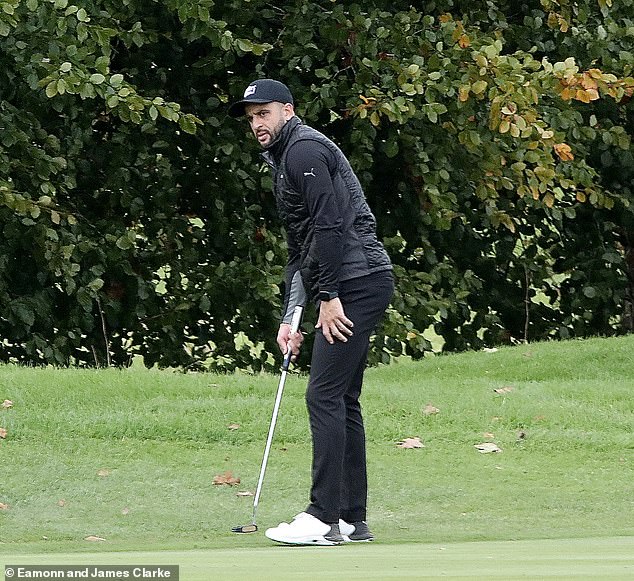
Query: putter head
(245, 528)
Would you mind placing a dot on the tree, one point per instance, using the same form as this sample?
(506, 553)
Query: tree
(492, 140)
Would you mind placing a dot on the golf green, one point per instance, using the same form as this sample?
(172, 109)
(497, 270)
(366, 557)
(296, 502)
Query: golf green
(593, 558)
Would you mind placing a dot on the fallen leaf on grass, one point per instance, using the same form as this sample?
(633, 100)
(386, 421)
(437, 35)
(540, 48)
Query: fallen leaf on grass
(7, 403)
(226, 478)
(506, 389)
(103, 472)
(94, 539)
(3, 433)
(430, 410)
(487, 448)
(411, 443)
(125, 511)
(489, 435)
(233, 426)
(4, 506)
(61, 502)
(244, 493)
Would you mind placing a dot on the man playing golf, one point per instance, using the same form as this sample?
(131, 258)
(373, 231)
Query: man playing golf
(335, 260)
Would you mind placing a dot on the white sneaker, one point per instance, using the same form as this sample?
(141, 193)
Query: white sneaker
(305, 530)
(345, 528)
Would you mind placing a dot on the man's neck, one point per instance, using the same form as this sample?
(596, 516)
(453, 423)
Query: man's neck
(277, 146)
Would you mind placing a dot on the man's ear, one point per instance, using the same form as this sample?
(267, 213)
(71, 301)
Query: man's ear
(288, 110)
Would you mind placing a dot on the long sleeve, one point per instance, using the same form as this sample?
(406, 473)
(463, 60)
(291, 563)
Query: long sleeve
(310, 166)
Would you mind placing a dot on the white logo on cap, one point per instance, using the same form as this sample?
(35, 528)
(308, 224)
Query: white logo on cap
(250, 90)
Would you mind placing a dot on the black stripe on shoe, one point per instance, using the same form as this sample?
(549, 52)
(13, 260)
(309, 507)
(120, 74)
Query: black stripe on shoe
(361, 533)
(334, 535)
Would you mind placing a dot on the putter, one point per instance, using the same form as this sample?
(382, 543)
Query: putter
(251, 528)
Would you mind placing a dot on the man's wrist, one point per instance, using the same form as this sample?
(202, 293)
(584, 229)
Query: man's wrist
(326, 296)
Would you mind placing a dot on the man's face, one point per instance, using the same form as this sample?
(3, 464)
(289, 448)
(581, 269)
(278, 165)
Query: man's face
(267, 119)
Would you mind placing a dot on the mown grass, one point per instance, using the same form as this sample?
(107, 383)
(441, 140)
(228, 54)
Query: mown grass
(130, 455)
(597, 558)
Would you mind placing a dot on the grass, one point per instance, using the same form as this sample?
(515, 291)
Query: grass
(130, 456)
(598, 558)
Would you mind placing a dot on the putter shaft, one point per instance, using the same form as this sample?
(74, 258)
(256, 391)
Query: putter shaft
(295, 322)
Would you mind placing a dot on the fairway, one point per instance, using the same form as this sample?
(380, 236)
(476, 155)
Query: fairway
(594, 558)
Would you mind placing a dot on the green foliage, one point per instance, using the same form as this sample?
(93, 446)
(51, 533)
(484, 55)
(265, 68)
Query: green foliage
(493, 140)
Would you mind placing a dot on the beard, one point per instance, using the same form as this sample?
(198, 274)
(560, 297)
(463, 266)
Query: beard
(274, 133)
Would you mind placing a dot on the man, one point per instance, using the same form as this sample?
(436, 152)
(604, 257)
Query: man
(335, 259)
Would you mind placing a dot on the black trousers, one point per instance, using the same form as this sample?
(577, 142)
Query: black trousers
(339, 478)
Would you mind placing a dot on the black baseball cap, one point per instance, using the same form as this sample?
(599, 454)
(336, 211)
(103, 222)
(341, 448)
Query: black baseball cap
(262, 91)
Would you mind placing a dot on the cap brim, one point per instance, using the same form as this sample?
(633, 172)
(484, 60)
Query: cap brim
(237, 109)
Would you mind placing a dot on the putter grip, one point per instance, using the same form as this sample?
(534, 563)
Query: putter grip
(295, 322)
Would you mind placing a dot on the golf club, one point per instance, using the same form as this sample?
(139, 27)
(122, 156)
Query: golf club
(251, 528)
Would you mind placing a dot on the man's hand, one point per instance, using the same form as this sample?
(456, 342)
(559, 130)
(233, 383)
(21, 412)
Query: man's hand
(287, 340)
(333, 321)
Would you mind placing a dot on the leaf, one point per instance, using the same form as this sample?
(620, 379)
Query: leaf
(94, 539)
(4, 506)
(103, 472)
(487, 448)
(51, 89)
(479, 87)
(61, 503)
(564, 151)
(244, 493)
(226, 478)
(3, 433)
(464, 41)
(411, 443)
(506, 389)
(125, 511)
(549, 200)
(463, 93)
(7, 404)
(187, 124)
(430, 410)
(233, 426)
(585, 96)
(116, 80)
